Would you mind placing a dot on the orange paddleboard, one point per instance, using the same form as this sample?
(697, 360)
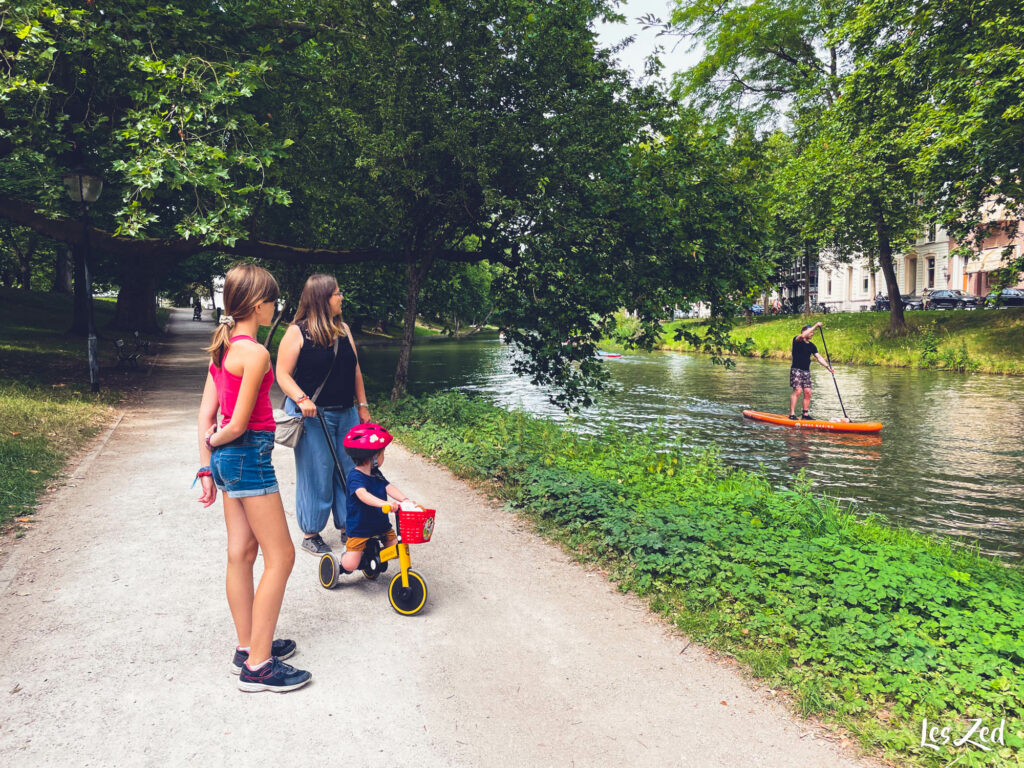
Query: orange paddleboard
(833, 426)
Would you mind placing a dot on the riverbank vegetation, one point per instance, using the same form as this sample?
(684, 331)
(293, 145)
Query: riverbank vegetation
(47, 411)
(977, 341)
(871, 626)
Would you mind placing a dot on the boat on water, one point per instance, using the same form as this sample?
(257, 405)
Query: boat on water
(826, 424)
(602, 353)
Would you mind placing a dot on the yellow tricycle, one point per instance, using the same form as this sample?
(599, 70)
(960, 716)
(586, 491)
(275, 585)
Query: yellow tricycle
(407, 591)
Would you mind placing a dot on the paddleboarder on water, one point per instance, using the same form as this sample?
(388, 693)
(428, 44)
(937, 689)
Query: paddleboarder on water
(800, 372)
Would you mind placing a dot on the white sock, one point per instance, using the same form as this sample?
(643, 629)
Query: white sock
(242, 648)
(258, 666)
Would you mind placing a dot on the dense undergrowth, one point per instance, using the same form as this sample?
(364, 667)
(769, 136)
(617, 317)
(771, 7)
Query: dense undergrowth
(873, 626)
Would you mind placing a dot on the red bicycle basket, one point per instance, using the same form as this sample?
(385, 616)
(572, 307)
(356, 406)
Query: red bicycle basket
(417, 525)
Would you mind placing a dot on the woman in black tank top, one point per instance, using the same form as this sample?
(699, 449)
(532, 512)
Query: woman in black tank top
(317, 360)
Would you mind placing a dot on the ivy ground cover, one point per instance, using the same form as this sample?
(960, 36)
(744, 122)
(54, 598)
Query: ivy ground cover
(869, 625)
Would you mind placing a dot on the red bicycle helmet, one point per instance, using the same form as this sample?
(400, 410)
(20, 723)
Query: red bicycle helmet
(368, 436)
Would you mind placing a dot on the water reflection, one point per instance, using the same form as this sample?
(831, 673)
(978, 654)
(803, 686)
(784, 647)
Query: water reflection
(949, 460)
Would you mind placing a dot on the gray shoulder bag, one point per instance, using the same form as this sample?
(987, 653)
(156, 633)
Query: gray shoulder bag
(289, 428)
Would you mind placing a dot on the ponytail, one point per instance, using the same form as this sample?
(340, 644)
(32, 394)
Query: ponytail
(245, 286)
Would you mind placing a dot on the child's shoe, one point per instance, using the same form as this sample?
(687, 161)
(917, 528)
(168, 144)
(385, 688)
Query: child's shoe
(283, 649)
(275, 676)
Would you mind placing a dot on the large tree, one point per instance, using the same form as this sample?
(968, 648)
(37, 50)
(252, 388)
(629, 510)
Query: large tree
(353, 132)
(957, 69)
(790, 63)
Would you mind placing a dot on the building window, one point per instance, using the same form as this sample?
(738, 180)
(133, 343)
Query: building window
(865, 285)
(830, 285)
(931, 273)
(931, 233)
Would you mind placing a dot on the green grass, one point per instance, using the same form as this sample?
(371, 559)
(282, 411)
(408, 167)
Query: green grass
(47, 411)
(987, 341)
(868, 625)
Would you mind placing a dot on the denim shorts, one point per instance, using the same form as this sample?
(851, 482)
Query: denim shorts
(242, 467)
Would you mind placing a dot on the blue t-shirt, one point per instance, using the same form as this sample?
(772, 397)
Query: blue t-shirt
(364, 520)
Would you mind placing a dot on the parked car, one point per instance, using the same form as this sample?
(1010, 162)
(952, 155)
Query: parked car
(952, 300)
(756, 309)
(1007, 297)
(909, 302)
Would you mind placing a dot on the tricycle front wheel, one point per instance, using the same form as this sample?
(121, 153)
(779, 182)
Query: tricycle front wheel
(410, 600)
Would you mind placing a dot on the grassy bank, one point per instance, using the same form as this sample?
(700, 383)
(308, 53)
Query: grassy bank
(47, 412)
(871, 626)
(985, 341)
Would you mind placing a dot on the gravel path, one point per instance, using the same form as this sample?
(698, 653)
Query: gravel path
(116, 636)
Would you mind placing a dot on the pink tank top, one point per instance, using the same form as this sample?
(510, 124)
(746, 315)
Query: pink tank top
(262, 417)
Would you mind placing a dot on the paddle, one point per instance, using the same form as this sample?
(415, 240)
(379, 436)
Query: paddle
(822, 329)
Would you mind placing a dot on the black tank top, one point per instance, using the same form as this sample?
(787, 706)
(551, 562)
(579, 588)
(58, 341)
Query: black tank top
(313, 364)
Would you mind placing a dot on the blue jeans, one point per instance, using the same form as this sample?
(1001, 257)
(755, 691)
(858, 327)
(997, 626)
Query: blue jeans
(242, 467)
(318, 491)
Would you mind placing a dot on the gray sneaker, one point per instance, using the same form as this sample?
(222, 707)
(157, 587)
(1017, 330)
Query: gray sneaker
(316, 545)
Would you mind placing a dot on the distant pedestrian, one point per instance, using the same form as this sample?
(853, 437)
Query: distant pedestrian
(236, 460)
(800, 372)
(318, 367)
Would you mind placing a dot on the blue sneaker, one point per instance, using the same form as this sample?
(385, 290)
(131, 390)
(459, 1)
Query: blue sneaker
(283, 649)
(274, 676)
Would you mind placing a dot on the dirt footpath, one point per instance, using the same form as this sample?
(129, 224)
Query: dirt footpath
(116, 638)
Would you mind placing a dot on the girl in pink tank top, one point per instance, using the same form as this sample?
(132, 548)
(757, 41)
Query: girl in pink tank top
(236, 460)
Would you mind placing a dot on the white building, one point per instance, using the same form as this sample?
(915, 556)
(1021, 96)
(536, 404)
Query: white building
(851, 287)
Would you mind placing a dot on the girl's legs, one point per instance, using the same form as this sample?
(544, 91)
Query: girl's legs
(242, 551)
(265, 517)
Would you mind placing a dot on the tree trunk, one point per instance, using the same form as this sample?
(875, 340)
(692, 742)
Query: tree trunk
(25, 261)
(416, 275)
(136, 301)
(807, 278)
(62, 282)
(83, 301)
(897, 323)
(277, 322)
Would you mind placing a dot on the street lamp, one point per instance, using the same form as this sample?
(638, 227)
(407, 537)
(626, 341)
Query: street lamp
(84, 187)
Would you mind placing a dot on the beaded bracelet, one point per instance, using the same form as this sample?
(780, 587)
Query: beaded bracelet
(203, 472)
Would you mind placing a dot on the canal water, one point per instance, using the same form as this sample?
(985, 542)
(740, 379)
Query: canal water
(949, 460)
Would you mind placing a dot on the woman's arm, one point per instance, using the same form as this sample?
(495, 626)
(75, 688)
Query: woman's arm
(360, 389)
(255, 361)
(287, 359)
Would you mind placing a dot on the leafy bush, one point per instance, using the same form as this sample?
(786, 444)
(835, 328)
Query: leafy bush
(877, 626)
(958, 359)
(929, 347)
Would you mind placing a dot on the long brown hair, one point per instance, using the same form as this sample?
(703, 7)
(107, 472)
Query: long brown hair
(315, 310)
(245, 286)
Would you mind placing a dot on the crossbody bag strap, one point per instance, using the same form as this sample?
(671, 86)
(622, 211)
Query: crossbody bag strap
(322, 383)
(329, 369)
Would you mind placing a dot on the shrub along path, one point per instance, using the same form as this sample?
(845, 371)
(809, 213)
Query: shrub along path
(117, 638)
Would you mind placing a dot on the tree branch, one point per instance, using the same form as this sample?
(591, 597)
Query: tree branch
(70, 231)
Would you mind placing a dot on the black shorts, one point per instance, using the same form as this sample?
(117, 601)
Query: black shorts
(799, 378)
